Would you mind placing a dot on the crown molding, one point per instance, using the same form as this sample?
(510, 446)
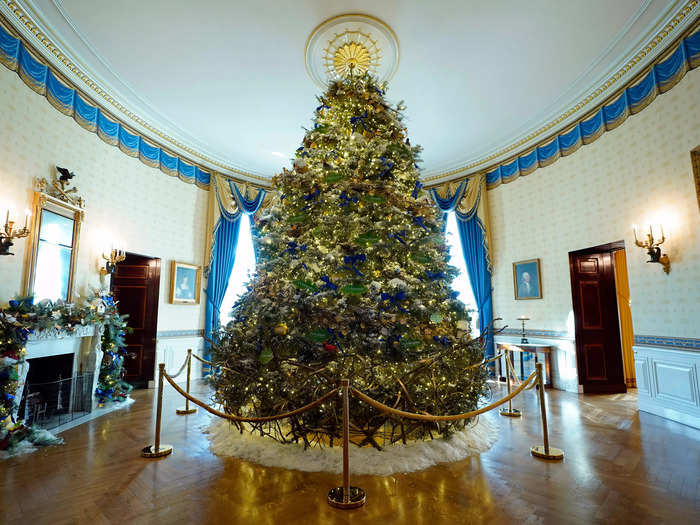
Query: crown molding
(138, 113)
(27, 22)
(654, 42)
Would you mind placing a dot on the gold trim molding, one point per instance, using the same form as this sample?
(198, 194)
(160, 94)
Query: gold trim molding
(594, 95)
(93, 87)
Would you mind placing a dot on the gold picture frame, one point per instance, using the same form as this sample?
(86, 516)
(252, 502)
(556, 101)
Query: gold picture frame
(695, 161)
(527, 280)
(185, 283)
(45, 202)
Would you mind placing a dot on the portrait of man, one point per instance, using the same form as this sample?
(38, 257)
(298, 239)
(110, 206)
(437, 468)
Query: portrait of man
(527, 280)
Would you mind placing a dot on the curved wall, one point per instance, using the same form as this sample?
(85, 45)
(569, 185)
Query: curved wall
(154, 215)
(639, 172)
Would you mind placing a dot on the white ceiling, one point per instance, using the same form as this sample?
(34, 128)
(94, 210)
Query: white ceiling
(228, 78)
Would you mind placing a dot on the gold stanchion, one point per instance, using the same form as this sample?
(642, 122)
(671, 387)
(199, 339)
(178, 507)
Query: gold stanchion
(510, 411)
(157, 450)
(544, 451)
(346, 497)
(187, 409)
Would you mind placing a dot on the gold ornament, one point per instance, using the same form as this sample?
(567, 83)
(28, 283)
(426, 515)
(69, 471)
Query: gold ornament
(281, 329)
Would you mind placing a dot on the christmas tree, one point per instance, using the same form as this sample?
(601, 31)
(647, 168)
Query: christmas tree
(352, 282)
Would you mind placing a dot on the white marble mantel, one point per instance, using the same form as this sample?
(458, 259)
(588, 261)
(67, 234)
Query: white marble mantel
(84, 342)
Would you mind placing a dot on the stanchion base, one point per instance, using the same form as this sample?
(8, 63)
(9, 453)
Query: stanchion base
(510, 413)
(357, 498)
(163, 450)
(554, 453)
(185, 411)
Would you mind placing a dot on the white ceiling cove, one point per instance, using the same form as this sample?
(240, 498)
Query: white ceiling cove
(228, 79)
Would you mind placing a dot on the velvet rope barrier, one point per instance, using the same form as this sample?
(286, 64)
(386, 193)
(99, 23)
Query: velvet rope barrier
(486, 362)
(240, 419)
(204, 361)
(455, 417)
(511, 368)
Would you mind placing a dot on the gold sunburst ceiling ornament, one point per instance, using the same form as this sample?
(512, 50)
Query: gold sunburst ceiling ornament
(352, 44)
(352, 59)
(352, 52)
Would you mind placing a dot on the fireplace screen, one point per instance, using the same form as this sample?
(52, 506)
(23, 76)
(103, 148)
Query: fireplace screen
(51, 404)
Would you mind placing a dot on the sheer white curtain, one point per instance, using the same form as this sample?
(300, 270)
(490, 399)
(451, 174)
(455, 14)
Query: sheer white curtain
(461, 284)
(243, 268)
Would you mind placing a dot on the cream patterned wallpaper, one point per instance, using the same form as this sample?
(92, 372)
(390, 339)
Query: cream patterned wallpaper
(638, 172)
(152, 213)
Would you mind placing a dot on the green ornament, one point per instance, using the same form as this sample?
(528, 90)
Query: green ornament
(354, 289)
(296, 219)
(319, 335)
(411, 343)
(375, 199)
(420, 258)
(367, 238)
(265, 356)
(306, 285)
(436, 317)
(334, 177)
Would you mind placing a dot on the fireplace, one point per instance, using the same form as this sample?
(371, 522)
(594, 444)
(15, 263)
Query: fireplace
(59, 376)
(53, 396)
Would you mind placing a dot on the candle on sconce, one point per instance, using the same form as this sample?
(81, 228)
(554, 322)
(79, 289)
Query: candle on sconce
(27, 214)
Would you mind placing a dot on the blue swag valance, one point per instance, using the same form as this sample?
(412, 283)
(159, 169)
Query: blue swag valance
(660, 78)
(41, 79)
(468, 200)
(230, 201)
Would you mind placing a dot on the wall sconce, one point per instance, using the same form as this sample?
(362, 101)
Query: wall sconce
(10, 233)
(115, 256)
(523, 339)
(652, 247)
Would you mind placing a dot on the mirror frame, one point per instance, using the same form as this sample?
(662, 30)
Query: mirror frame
(44, 201)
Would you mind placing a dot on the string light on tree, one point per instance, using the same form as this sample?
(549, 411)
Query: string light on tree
(352, 281)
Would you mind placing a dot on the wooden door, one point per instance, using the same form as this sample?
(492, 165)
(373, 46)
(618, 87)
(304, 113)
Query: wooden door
(136, 284)
(598, 348)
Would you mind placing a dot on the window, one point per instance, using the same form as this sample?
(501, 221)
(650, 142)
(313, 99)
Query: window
(461, 283)
(243, 268)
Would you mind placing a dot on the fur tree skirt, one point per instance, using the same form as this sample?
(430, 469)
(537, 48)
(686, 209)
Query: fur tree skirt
(226, 440)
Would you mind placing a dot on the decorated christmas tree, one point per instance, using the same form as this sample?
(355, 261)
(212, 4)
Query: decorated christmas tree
(352, 282)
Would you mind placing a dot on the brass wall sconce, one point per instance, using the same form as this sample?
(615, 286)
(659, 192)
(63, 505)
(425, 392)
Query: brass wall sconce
(652, 247)
(115, 256)
(10, 233)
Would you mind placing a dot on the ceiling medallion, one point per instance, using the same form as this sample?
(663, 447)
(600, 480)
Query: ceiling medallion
(351, 44)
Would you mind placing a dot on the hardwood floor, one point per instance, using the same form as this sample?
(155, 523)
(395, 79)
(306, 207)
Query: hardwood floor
(621, 466)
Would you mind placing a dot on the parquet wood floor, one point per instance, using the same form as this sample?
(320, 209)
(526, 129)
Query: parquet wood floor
(621, 466)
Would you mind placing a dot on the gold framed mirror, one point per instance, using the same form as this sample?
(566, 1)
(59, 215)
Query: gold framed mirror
(52, 250)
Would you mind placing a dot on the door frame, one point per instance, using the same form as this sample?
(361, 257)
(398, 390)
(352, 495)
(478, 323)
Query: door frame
(601, 248)
(149, 376)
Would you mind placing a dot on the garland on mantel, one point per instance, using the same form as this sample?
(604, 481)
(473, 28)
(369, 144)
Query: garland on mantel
(21, 317)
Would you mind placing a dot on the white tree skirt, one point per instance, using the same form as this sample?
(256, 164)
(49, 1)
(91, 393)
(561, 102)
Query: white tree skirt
(226, 440)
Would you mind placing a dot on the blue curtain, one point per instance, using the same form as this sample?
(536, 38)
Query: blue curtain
(223, 252)
(475, 252)
(222, 261)
(471, 235)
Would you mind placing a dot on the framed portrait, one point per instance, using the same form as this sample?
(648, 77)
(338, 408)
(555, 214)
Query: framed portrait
(527, 280)
(185, 283)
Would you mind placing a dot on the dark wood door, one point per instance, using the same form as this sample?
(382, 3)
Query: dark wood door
(136, 284)
(598, 347)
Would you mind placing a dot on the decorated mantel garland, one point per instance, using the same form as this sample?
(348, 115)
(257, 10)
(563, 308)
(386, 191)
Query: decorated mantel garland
(22, 317)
